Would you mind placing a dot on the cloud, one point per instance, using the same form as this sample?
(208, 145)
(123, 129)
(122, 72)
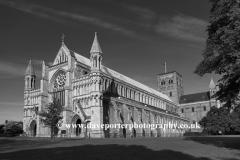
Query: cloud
(10, 70)
(12, 103)
(144, 13)
(64, 17)
(183, 27)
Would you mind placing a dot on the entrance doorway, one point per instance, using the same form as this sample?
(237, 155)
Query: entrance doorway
(78, 128)
(33, 128)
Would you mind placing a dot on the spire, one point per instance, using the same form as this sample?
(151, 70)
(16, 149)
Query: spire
(30, 70)
(63, 38)
(211, 85)
(96, 46)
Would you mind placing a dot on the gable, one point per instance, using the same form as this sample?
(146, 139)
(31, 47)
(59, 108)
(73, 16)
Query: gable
(62, 55)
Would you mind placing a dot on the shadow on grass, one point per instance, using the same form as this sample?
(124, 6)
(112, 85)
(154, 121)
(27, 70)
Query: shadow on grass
(110, 151)
(9, 144)
(227, 142)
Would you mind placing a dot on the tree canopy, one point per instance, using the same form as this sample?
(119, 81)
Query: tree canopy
(12, 128)
(51, 116)
(222, 51)
(221, 119)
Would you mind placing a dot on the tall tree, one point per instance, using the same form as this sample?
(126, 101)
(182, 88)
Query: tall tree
(222, 52)
(51, 116)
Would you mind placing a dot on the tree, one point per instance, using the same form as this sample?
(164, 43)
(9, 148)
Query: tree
(1, 128)
(222, 51)
(217, 119)
(51, 116)
(235, 117)
(12, 128)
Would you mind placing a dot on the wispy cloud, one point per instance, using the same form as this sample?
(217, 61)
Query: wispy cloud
(10, 70)
(11, 103)
(64, 17)
(144, 13)
(183, 27)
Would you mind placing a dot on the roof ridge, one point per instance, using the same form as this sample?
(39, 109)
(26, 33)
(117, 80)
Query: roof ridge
(82, 59)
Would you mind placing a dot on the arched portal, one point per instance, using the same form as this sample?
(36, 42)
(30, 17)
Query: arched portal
(78, 128)
(33, 128)
(76, 121)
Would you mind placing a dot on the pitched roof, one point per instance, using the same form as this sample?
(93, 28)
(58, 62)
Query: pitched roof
(119, 76)
(197, 97)
(30, 70)
(96, 46)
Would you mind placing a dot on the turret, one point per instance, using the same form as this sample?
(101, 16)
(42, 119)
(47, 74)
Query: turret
(212, 88)
(30, 77)
(96, 55)
(96, 92)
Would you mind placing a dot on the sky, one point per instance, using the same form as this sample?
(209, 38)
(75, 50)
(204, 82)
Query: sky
(136, 37)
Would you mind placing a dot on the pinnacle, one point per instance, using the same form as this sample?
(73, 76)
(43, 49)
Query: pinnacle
(211, 85)
(96, 46)
(30, 70)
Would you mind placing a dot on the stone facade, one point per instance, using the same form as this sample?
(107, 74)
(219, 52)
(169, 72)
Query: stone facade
(93, 93)
(193, 106)
(171, 84)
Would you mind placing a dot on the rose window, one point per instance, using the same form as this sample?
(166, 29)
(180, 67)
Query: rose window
(60, 80)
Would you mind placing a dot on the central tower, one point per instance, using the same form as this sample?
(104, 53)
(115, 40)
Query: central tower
(171, 84)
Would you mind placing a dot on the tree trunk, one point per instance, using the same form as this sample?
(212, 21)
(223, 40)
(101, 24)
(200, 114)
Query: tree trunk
(52, 134)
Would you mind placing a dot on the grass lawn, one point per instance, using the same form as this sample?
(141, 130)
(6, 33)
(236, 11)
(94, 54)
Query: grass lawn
(190, 148)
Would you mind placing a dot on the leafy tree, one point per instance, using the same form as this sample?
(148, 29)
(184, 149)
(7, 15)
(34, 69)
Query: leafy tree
(1, 128)
(222, 119)
(235, 117)
(51, 116)
(12, 128)
(217, 119)
(222, 52)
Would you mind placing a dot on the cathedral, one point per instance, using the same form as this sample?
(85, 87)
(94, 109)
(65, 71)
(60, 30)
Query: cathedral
(192, 106)
(92, 93)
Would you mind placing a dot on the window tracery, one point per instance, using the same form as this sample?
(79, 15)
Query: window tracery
(60, 81)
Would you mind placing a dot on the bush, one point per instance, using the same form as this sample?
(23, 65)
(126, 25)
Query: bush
(1, 128)
(12, 128)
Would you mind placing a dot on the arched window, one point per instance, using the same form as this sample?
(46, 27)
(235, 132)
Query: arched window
(192, 109)
(58, 84)
(170, 94)
(106, 85)
(156, 119)
(163, 82)
(95, 61)
(204, 108)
